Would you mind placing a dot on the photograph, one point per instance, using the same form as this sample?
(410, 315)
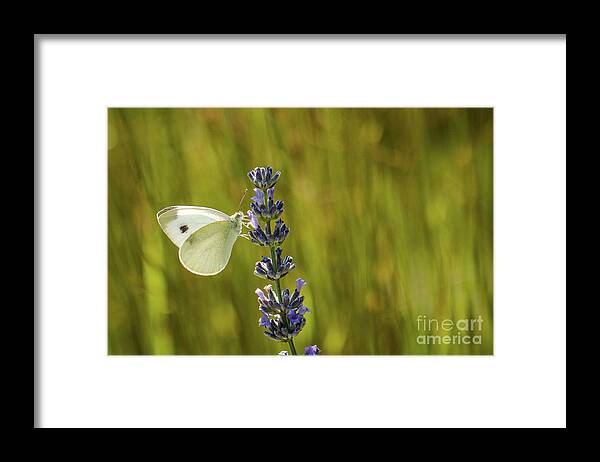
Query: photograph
(300, 231)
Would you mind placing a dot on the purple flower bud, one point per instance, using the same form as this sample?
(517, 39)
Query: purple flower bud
(312, 350)
(253, 219)
(261, 296)
(285, 295)
(269, 291)
(303, 309)
(264, 321)
(300, 283)
(259, 196)
(294, 317)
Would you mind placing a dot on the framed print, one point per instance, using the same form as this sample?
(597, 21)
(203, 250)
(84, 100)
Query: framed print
(375, 226)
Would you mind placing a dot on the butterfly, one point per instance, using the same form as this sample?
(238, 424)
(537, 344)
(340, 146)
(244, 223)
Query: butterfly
(205, 236)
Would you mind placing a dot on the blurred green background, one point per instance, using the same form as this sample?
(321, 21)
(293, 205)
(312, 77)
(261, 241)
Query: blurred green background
(391, 217)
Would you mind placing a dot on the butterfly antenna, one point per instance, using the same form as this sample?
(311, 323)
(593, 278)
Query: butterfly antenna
(242, 199)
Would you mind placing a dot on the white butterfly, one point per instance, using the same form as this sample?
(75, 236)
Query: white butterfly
(205, 236)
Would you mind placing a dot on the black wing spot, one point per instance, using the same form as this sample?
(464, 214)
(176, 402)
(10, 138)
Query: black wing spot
(183, 229)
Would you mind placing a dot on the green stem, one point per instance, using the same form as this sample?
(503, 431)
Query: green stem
(292, 347)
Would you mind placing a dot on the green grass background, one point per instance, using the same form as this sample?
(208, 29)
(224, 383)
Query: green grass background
(391, 217)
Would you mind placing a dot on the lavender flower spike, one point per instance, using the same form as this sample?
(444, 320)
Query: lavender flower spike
(282, 314)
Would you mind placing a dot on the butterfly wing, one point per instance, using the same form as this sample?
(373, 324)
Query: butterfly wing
(207, 250)
(180, 222)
